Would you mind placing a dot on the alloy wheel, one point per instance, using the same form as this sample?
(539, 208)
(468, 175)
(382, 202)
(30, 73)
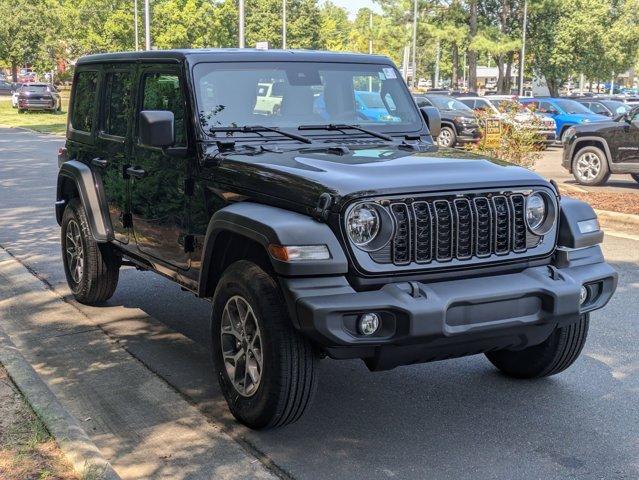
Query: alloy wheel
(241, 342)
(74, 251)
(445, 138)
(588, 166)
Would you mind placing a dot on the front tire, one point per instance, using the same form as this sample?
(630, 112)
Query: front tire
(590, 166)
(554, 355)
(92, 269)
(447, 137)
(635, 177)
(266, 369)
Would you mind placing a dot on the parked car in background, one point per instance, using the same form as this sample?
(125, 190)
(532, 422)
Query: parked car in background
(6, 88)
(593, 151)
(371, 106)
(509, 111)
(26, 75)
(563, 111)
(459, 122)
(609, 108)
(16, 93)
(38, 96)
(269, 98)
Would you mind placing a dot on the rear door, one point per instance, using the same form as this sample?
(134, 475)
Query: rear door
(158, 181)
(114, 145)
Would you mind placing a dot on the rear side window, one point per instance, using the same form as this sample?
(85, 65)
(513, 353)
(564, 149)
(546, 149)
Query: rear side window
(162, 92)
(85, 90)
(117, 103)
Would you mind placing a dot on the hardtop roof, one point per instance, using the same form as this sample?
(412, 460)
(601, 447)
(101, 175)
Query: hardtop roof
(233, 55)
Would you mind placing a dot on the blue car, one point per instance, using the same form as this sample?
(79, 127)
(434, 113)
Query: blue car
(565, 112)
(371, 106)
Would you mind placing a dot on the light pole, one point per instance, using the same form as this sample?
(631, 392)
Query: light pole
(370, 32)
(147, 25)
(283, 24)
(135, 20)
(414, 43)
(241, 29)
(522, 58)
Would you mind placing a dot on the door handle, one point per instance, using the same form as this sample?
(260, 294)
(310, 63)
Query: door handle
(99, 162)
(136, 172)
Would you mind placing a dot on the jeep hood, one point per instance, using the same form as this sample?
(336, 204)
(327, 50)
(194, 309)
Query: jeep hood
(298, 177)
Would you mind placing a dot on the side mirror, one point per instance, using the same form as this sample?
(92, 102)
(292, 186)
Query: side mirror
(157, 128)
(433, 119)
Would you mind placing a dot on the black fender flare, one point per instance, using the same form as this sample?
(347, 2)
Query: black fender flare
(575, 147)
(268, 225)
(91, 193)
(571, 212)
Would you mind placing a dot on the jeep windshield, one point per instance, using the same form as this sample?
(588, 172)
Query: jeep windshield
(288, 95)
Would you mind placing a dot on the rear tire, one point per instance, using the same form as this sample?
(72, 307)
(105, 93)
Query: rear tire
(590, 166)
(554, 355)
(278, 392)
(92, 268)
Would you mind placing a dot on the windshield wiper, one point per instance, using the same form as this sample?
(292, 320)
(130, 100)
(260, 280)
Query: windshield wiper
(333, 126)
(259, 129)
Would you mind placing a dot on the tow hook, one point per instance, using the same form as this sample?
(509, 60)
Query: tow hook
(320, 212)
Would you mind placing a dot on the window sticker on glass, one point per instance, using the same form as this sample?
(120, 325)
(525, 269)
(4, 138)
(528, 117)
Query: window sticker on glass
(390, 73)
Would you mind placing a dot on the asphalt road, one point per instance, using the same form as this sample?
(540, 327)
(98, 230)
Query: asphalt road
(453, 419)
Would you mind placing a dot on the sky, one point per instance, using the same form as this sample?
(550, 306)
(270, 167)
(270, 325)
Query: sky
(353, 5)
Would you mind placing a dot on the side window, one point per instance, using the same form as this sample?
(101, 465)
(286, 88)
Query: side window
(85, 90)
(598, 108)
(162, 92)
(117, 107)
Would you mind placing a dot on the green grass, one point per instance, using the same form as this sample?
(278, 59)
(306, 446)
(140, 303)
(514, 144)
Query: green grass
(43, 122)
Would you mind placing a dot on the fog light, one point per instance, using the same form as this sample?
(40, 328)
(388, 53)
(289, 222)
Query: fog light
(583, 296)
(368, 323)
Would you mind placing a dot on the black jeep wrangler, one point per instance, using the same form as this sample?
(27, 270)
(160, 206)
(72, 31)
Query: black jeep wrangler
(594, 151)
(314, 228)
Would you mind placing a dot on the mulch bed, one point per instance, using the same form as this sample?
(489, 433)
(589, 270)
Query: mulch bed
(615, 202)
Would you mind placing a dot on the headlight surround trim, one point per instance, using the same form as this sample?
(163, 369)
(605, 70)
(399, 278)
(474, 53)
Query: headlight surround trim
(549, 219)
(383, 232)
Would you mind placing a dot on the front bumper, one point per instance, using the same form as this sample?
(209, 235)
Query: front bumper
(468, 134)
(430, 321)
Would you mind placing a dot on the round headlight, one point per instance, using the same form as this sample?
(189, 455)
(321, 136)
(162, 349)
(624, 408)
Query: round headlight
(363, 224)
(537, 213)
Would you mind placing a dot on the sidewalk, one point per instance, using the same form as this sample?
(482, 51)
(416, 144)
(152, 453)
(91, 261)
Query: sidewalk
(142, 426)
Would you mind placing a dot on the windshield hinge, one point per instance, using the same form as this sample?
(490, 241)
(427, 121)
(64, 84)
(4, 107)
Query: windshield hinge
(225, 145)
(321, 211)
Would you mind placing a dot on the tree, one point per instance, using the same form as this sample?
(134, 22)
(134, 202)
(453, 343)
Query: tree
(334, 27)
(27, 34)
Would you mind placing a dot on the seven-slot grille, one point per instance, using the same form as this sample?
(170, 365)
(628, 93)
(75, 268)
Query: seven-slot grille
(461, 227)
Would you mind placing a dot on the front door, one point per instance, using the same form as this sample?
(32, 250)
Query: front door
(628, 146)
(114, 146)
(158, 197)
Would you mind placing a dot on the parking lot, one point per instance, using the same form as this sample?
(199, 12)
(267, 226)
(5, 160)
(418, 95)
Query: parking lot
(453, 419)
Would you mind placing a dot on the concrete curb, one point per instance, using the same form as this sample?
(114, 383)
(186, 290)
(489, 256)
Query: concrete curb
(616, 219)
(77, 448)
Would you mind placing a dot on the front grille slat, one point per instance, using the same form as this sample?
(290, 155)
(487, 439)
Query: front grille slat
(401, 241)
(423, 232)
(464, 228)
(501, 209)
(444, 230)
(459, 227)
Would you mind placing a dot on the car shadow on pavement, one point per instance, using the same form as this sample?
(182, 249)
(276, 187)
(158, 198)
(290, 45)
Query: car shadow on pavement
(447, 416)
